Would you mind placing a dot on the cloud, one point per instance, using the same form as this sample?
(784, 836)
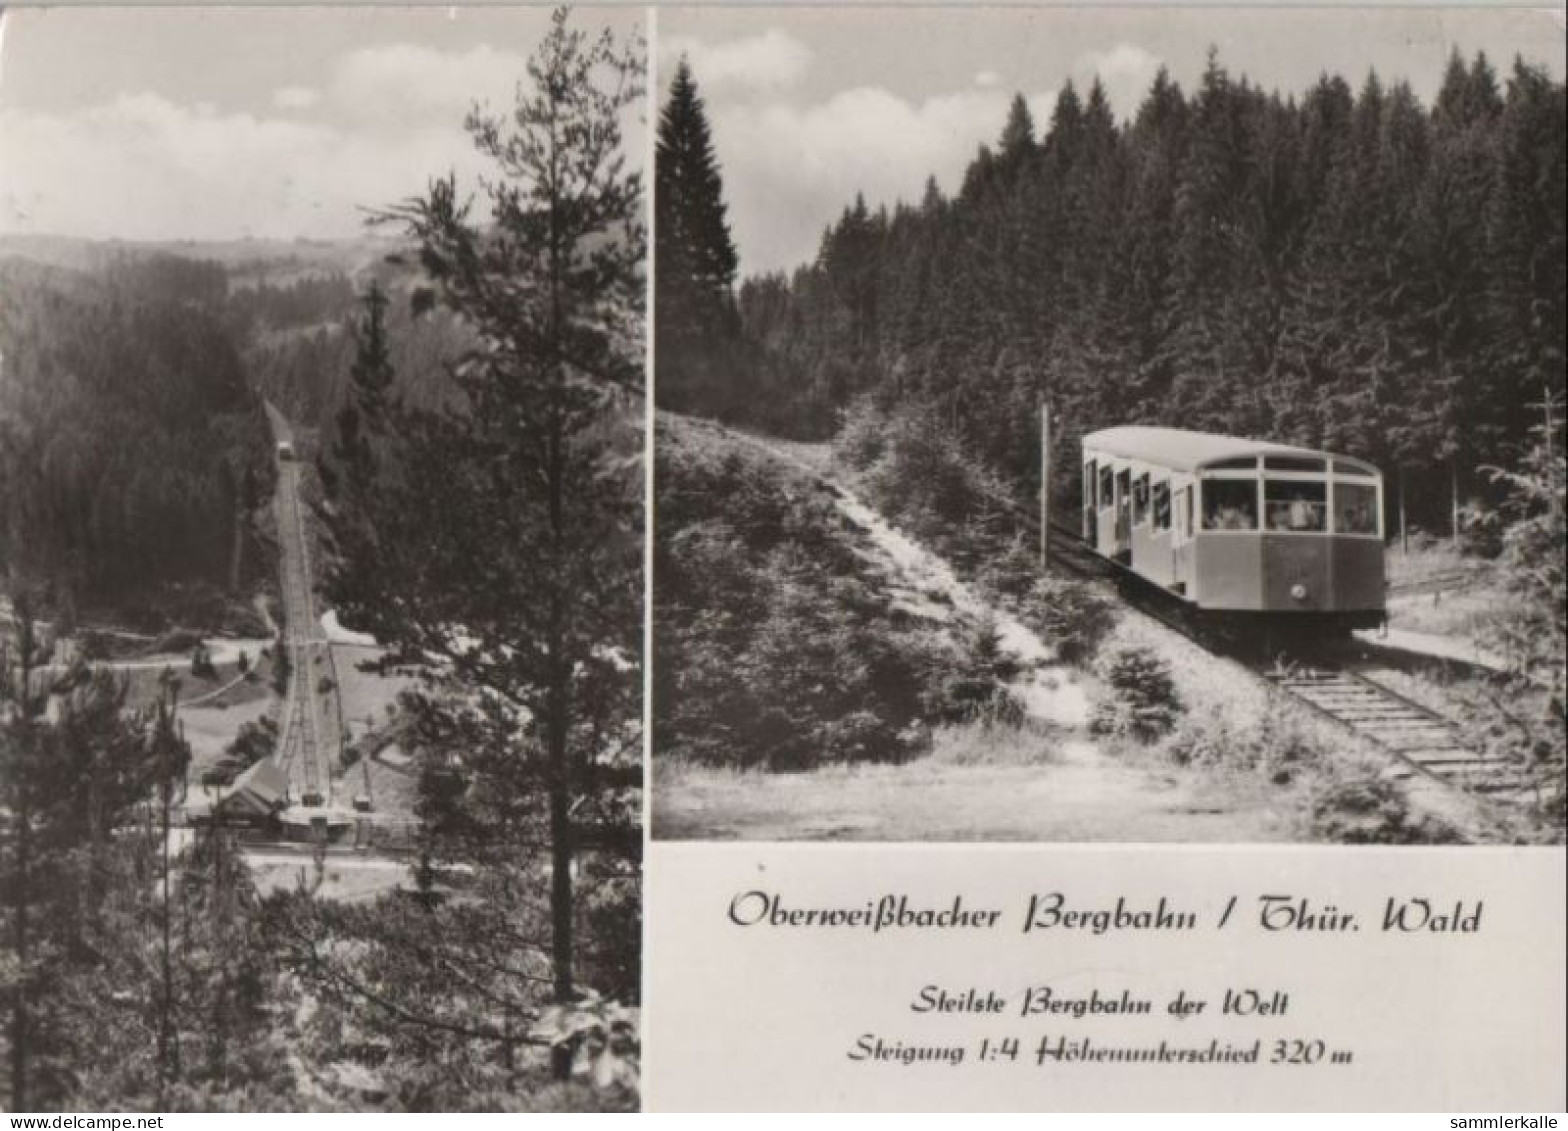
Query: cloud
(295, 97)
(1125, 70)
(789, 171)
(770, 60)
(987, 79)
(402, 83)
(144, 167)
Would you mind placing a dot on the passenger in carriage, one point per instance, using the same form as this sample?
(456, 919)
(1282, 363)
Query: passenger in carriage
(1230, 505)
(1234, 518)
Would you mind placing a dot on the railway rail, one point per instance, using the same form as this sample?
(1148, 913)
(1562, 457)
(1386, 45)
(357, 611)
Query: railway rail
(1424, 741)
(302, 754)
(1421, 740)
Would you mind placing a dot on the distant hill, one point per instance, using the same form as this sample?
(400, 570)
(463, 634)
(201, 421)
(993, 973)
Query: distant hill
(247, 260)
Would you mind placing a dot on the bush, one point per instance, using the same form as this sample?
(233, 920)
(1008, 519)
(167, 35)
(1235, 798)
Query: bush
(281, 666)
(95, 647)
(255, 741)
(1374, 811)
(862, 436)
(776, 646)
(1011, 570)
(1142, 702)
(975, 688)
(927, 480)
(1071, 616)
(201, 662)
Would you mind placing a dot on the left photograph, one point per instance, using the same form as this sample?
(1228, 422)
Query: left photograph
(322, 482)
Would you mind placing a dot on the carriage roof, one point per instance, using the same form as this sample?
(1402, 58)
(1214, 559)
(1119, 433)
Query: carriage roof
(1181, 450)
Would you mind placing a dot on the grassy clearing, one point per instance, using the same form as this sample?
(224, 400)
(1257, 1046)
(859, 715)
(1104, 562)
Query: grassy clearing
(976, 786)
(369, 697)
(1455, 591)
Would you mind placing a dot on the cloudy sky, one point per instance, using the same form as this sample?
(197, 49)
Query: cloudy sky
(208, 124)
(810, 106)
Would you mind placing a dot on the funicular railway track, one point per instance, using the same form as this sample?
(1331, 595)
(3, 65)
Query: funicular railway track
(1314, 674)
(301, 752)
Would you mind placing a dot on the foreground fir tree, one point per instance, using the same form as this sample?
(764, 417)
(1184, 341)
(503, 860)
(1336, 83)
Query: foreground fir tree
(493, 542)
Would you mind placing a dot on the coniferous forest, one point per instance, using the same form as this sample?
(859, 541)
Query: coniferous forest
(133, 452)
(1347, 267)
(254, 857)
(1341, 267)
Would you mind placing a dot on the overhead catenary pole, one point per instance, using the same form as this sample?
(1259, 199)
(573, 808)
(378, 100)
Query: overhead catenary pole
(1453, 490)
(1404, 532)
(1045, 479)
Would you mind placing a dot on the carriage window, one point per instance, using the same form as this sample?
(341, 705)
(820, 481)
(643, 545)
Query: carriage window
(1186, 512)
(1140, 500)
(1295, 463)
(1124, 489)
(1230, 504)
(1239, 463)
(1298, 506)
(1107, 486)
(1355, 508)
(1161, 499)
(1088, 484)
(1350, 467)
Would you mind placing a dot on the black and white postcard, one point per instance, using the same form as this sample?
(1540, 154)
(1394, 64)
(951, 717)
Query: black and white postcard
(755, 558)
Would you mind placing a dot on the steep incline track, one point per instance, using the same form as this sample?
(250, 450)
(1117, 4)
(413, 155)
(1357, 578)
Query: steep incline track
(1425, 741)
(303, 755)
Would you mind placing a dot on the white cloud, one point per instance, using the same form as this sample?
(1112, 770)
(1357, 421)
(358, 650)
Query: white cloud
(403, 83)
(770, 60)
(788, 171)
(987, 79)
(143, 167)
(1125, 70)
(295, 97)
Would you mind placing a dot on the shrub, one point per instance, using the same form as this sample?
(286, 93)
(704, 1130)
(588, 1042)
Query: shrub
(927, 479)
(862, 437)
(975, 688)
(201, 662)
(1071, 616)
(1011, 570)
(281, 666)
(1142, 702)
(95, 647)
(1375, 811)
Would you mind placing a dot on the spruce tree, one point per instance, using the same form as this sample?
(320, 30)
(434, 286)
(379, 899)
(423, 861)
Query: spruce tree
(694, 258)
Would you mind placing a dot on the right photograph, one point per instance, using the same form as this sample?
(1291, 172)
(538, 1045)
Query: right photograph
(1119, 425)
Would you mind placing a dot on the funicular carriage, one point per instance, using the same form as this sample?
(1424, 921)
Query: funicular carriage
(1248, 532)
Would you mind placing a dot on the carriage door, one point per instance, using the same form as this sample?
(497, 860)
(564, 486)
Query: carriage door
(1123, 547)
(1181, 537)
(1090, 476)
